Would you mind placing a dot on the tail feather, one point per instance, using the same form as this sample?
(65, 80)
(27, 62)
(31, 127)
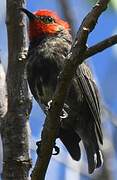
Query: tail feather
(71, 141)
(94, 156)
(90, 158)
(99, 159)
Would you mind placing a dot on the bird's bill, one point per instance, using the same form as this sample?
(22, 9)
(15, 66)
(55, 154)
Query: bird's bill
(30, 15)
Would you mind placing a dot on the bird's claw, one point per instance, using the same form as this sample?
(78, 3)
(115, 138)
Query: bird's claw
(56, 148)
(38, 143)
(49, 104)
(64, 114)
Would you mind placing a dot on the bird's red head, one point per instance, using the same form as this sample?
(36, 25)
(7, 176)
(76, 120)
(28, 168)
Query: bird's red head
(44, 23)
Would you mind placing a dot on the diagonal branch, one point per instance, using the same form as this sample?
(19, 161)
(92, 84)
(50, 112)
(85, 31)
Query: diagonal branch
(74, 58)
(99, 47)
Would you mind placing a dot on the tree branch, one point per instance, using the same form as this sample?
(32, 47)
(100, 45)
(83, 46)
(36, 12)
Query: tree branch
(74, 58)
(99, 47)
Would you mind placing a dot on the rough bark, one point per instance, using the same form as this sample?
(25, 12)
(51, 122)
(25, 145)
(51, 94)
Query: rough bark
(101, 46)
(3, 107)
(3, 94)
(74, 58)
(16, 161)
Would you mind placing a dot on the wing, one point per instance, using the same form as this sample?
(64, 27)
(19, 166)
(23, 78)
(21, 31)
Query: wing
(34, 83)
(90, 93)
(34, 80)
(71, 141)
(42, 75)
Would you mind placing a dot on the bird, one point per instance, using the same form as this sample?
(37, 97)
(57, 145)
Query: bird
(50, 42)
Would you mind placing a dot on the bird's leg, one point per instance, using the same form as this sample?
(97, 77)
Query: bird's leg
(56, 148)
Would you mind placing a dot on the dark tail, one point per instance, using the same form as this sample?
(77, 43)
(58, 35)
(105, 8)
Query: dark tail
(71, 141)
(94, 155)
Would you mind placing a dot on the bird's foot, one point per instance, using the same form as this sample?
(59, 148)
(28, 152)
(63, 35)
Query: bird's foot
(38, 143)
(48, 105)
(56, 148)
(64, 114)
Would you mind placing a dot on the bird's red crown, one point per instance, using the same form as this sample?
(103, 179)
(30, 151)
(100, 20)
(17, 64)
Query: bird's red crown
(46, 23)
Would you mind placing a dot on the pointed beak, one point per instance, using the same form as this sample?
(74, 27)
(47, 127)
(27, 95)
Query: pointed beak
(30, 15)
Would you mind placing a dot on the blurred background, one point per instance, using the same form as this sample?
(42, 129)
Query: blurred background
(104, 67)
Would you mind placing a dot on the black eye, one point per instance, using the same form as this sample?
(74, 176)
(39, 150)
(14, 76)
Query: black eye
(47, 19)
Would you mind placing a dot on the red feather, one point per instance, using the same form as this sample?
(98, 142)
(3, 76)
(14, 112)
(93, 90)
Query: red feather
(38, 28)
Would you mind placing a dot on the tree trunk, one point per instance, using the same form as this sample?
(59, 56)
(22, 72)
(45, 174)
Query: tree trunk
(3, 108)
(16, 161)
